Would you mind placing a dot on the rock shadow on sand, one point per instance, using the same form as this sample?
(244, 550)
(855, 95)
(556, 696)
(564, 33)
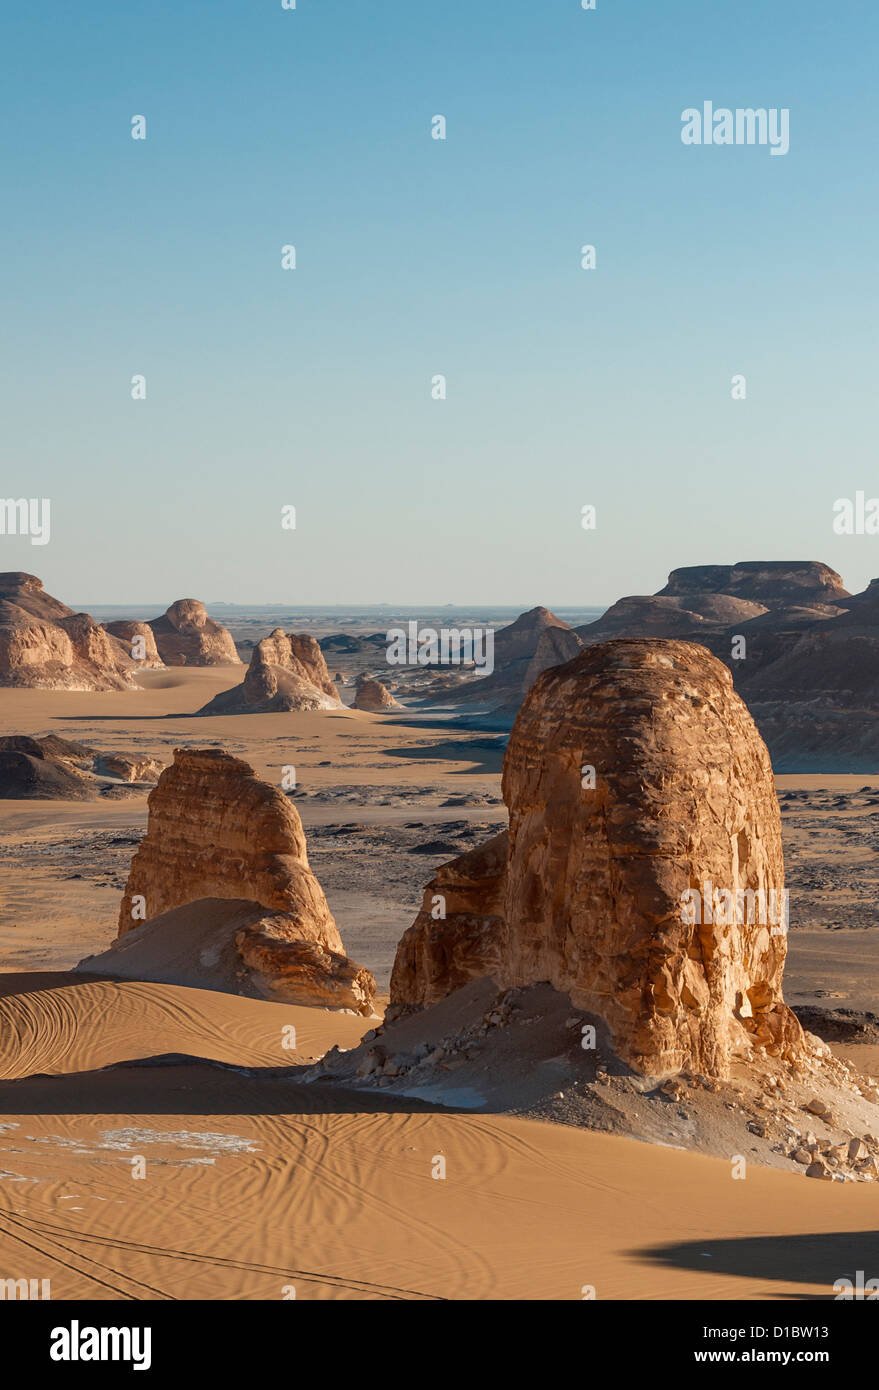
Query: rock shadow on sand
(819, 1258)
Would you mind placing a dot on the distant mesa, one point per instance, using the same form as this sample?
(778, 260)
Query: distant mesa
(772, 583)
(586, 889)
(44, 645)
(372, 696)
(186, 636)
(217, 832)
(701, 599)
(55, 769)
(287, 672)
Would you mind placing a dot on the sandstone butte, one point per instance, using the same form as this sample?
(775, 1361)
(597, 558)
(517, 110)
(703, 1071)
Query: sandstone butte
(287, 671)
(371, 695)
(585, 891)
(45, 645)
(186, 636)
(216, 830)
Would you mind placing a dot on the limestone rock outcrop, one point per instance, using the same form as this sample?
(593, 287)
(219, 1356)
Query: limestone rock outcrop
(287, 672)
(216, 831)
(45, 645)
(371, 695)
(186, 636)
(139, 641)
(604, 884)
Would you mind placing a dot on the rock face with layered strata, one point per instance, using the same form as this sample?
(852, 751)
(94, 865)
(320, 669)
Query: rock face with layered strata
(216, 831)
(287, 672)
(600, 881)
(44, 645)
(186, 636)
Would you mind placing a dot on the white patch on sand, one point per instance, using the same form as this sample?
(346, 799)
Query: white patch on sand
(184, 1138)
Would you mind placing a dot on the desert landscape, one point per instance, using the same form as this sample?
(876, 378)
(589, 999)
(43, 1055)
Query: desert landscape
(439, 677)
(326, 978)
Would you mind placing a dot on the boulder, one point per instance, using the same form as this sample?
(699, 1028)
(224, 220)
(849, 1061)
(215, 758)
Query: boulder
(371, 695)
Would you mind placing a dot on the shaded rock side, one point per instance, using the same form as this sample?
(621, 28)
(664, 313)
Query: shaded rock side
(457, 935)
(186, 636)
(287, 672)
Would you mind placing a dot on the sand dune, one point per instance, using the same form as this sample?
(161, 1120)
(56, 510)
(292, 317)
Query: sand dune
(62, 1024)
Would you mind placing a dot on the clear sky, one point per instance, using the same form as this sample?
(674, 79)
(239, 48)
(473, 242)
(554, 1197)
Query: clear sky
(312, 387)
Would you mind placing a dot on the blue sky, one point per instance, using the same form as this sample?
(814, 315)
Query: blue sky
(416, 257)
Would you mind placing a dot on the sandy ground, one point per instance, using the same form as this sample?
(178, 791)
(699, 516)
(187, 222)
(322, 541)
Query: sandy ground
(254, 1182)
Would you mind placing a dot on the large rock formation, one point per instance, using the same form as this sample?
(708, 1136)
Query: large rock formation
(45, 645)
(217, 831)
(186, 636)
(287, 671)
(524, 649)
(372, 696)
(773, 583)
(604, 883)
